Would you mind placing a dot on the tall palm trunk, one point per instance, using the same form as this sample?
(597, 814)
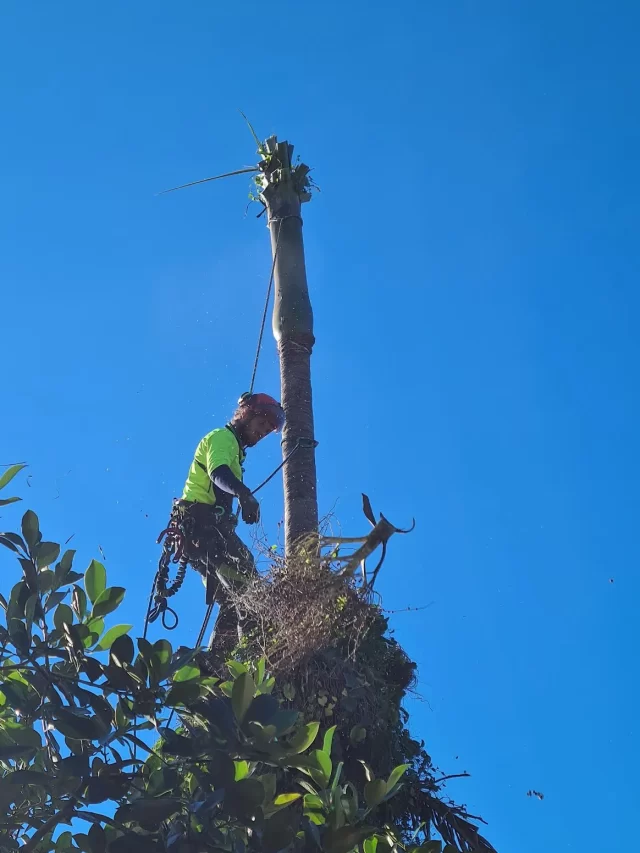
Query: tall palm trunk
(283, 192)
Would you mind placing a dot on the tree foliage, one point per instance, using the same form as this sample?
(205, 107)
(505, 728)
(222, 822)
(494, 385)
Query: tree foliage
(89, 759)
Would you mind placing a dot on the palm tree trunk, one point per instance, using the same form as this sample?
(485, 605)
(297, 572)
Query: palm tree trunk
(293, 331)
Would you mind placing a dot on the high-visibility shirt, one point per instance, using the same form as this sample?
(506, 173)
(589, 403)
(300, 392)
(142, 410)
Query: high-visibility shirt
(219, 447)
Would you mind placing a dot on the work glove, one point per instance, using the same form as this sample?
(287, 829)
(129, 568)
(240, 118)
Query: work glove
(250, 509)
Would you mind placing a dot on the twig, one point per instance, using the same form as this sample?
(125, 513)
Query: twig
(63, 815)
(464, 775)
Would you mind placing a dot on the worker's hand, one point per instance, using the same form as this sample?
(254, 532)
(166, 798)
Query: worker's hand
(250, 509)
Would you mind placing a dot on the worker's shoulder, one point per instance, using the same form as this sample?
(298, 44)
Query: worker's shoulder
(219, 436)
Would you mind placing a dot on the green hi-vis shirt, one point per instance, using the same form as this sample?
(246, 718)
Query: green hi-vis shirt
(219, 447)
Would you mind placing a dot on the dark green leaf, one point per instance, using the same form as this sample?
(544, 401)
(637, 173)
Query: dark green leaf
(375, 792)
(108, 601)
(63, 615)
(133, 841)
(79, 602)
(92, 668)
(284, 721)
(31, 529)
(262, 709)
(101, 788)
(10, 473)
(98, 839)
(29, 777)
(357, 735)
(7, 501)
(244, 798)
(122, 650)
(346, 838)
(54, 600)
(77, 727)
(304, 737)
(431, 847)
(19, 635)
(149, 813)
(95, 581)
(244, 689)
(162, 654)
(183, 694)
(46, 553)
(64, 566)
(111, 636)
(4, 540)
(30, 574)
(74, 765)
(14, 750)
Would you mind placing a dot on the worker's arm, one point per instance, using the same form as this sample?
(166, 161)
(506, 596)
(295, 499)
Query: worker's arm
(224, 478)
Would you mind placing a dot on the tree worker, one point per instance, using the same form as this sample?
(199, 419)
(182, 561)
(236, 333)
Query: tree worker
(205, 513)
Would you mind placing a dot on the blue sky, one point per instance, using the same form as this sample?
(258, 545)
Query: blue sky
(473, 263)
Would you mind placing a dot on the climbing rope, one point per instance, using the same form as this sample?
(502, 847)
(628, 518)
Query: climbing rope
(175, 535)
(265, 310)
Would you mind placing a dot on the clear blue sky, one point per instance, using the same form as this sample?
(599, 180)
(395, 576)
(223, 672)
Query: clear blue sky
(473, 259)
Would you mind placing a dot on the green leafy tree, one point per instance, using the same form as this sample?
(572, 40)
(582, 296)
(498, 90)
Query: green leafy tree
(88, 760)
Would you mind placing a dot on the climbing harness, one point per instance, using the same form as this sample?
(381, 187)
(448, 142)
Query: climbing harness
(175, 537)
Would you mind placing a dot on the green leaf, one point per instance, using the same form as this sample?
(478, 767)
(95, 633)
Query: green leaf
(357, 735)
(10, 473)
(285, 799)
(370, 845)
(236, 668)
(312, 801)
(46, 553)
(77, 727)
(346, 838)
(431, 847)
(328, 740)
(186, 673)
(367, 770)
(46, 581)
(63, 615)
(242, 770)
(304, 737)
(108, 601)
(111, 636)
(31, 529)
(323, 764)
(13, 542)
(95, 581)
(7, 501)
(79, 602)
(183, 694)
(122, 650)
(149, 813)
(375, 792)
(244, 689)
(64, 566)
(396, 773)
(289, 692)
(260, 671)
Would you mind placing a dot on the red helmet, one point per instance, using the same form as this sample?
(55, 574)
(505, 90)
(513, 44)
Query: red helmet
(263, 404)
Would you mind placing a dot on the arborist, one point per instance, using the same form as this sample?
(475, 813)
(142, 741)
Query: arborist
(204, 517)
